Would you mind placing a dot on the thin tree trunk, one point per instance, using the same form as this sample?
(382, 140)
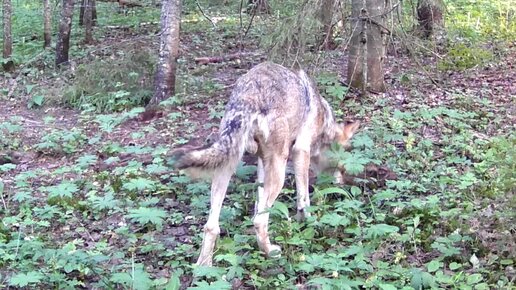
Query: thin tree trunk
(81, 12)
(366, 54)
(356, 57)
(326, 17)
(94, 12)
(168, 51)
(65, 27)
(376, 46)
(47, 26)
(8, 40)
(88, 21)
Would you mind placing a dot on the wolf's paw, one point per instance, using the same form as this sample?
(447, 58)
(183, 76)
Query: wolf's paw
(274, 251)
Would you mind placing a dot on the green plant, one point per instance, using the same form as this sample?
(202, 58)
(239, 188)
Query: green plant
(113, 85)
(461, 57)
(61, 141)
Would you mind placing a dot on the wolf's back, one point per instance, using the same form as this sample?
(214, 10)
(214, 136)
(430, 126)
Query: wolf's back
(268, 91)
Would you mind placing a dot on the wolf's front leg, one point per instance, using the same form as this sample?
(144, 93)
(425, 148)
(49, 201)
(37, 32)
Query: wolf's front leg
(273, 169)
(301, 160)
(219, 186)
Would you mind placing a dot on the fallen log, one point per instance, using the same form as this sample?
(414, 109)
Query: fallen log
(224, 58)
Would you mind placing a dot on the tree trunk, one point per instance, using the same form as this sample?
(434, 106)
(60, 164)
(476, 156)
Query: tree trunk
(259, 6)
(65, 27)
(82, 9)
(47, 24)
(8, 64)
(429, 16)
(365, 65)
(326, 18)
(93, 12)
(88, 21)
(165, 78)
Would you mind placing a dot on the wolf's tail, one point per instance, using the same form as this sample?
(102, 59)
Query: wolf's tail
(225, 152)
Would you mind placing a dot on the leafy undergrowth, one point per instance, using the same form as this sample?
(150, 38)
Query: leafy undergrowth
(115, 215)
(89, 200)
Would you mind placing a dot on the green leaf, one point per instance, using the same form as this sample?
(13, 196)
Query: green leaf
(64, 189)
(174, 283)
(433, 266)
(353, 250)
(144, 215)
(504, 262)
(281, 208)
(24, 279)
(7, 167)
(337, 91)
(141, 279)
(121, 278)
(473, 279)
(417, 279)
(334, 219)
(86, 160)
(387, 287)
(209, 272)
(454, 266)
(427, 279)
(37, 100)
(139, 184)
(362, 140)
(355, 163)
(232, 259)
(380, 230)
(156, 169)
(217, 285)
(331, 190)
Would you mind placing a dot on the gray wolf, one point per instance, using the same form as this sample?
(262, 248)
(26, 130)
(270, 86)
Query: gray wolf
(274, 113)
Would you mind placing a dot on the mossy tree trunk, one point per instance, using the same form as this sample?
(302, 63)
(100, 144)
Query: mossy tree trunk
(429, 16)
(165, 78)
(63, 37)
(47, 24)
(366, 53)
(8, 64)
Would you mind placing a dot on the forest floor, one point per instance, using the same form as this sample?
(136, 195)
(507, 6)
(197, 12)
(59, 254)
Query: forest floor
(99, 184)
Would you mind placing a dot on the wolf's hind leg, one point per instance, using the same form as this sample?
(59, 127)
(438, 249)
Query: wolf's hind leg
(219, 186)
(273, 171)
(301, 160)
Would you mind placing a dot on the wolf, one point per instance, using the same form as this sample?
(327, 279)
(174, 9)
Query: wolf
(274, 113)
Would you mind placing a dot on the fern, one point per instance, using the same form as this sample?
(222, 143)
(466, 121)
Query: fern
(145, 215)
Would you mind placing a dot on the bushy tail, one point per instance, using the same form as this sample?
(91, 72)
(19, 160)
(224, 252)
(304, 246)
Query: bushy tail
(225, 152)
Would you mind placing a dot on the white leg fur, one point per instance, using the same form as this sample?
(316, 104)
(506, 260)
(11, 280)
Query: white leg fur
(301, 159)
(219, 186)
(260, 172)
(274, 178)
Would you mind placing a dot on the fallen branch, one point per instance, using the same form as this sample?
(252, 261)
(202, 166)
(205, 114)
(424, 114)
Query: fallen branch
(224, 58)
(128, 4)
